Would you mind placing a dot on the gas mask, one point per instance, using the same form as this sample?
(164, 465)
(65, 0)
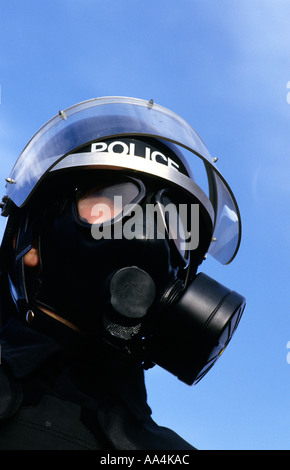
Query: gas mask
(120, 246)
(118, 257)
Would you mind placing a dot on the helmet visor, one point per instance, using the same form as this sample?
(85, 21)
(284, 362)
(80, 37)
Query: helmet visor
(55, 147)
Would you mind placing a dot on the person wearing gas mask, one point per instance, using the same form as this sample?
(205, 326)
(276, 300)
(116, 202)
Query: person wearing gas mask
(106, 230)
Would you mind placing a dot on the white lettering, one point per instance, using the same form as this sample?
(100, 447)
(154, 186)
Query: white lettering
(133, 227)
(155, 156)
(166, 459)
(112, 460)
(154, 222)
(169, 221)
(99, 147)
(172, 164)
(102, 212)
(147, 153)
(119, 144)
(189, 240)
(132, 150)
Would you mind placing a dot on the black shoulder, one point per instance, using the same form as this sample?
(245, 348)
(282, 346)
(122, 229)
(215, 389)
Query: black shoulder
(165, 438)
(10, 394)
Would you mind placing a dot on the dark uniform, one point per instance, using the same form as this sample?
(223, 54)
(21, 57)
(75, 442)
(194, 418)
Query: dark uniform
(57, 393)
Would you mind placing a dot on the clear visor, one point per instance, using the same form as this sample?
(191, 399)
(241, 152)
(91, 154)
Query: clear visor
(54, 147)
(176, 223)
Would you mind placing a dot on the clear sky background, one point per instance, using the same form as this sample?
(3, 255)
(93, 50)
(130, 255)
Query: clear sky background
(224, 66)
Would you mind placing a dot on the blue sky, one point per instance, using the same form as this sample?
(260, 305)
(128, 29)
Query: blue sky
(224, 67)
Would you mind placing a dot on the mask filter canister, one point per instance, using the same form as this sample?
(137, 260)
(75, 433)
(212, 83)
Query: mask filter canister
(191, 334)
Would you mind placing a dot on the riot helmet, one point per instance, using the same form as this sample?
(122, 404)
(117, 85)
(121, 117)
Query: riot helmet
(105, 192)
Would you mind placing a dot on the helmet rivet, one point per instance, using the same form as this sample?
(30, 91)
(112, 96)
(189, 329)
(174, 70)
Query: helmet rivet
(29, 316)
(62, 114)
(10, 180)
(150, 104)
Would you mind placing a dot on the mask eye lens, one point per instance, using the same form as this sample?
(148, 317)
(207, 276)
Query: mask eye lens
(105, 202)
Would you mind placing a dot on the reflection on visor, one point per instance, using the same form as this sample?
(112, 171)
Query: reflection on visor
(227, 232)
(176, 225)
(105, 202)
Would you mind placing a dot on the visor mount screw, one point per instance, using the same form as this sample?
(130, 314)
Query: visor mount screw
(29, 316)
(150, 104)
(62, 114)
(215, 159)
(213, 239)
(10, 180)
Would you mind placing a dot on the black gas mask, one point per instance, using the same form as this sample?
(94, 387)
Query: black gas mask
(118, 257)
(109, 223)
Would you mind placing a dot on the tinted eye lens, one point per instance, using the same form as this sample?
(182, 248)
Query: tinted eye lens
(103, 203)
